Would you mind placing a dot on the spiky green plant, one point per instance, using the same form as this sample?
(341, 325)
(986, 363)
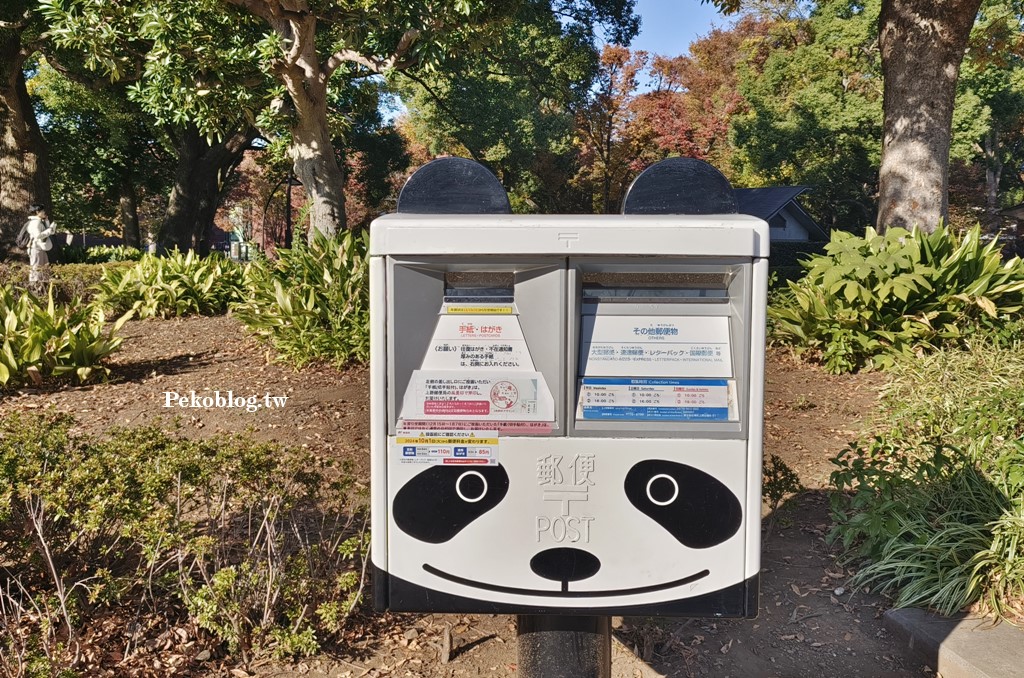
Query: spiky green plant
(172, 286)
(42, 339)
(312, 304)
(870, 298)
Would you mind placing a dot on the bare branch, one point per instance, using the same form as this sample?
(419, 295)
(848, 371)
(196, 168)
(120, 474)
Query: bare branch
(20, 23)
(396, 60)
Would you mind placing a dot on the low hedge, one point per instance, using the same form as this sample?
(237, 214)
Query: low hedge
(69, 280)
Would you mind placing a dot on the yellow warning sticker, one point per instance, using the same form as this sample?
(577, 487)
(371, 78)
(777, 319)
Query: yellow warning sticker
(446, 441)
(478, 310)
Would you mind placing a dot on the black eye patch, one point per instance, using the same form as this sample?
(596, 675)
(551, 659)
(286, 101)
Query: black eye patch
(443, 500)
(695, 507)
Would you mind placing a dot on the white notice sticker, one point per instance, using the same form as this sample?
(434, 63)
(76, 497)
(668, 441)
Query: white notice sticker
(478, 396)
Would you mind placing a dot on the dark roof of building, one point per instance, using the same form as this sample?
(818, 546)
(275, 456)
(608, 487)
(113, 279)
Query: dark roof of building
(766, 202)
(1015, 212)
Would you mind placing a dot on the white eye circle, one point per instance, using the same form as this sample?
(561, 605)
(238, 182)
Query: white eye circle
(675, 490)
(458, 487)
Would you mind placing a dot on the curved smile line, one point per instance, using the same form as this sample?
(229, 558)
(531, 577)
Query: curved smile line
(563, 594)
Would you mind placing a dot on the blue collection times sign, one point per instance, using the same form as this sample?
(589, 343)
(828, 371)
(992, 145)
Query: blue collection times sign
(655, 399)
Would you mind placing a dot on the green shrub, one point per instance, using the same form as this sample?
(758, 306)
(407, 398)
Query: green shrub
(260, 545)
(943, 531)
(48, 340)
(935, 501)
(99, 254)
(172, 286)
(868, 299)
(68, 281)
(312, 304)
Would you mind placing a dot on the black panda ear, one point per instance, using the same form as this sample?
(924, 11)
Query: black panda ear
(443, 500)
(695, 507)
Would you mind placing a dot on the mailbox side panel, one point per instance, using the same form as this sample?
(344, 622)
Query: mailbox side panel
(755, 444)
(378, 430)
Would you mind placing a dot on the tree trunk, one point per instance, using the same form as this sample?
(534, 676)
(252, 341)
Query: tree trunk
(198, 180)
(922, 44)
(128, 206)
(312, 152)
(317, 167)
(24, 173)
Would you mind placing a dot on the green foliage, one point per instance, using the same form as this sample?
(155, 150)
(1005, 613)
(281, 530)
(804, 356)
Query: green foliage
(934, 501)
(67, 281)
(511, 106)
(941, 530)
(869, 299)
(101, 147)
(250, 539)
(173, 286)
(312, 304)
(46, 340)
(100, 254)
(964, 396)
(813, 89)
(778, 481)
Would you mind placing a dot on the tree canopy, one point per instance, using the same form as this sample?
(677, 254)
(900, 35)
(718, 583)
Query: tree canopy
(167, 96)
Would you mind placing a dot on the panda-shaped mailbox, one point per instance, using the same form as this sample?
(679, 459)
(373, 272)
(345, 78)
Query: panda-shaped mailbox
(567, 411)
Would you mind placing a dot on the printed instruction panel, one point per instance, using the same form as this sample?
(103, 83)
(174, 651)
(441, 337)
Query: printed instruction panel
(478, 368)
(655, 346)
(656, 368)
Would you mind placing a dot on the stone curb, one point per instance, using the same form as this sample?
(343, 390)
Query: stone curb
(960, 646)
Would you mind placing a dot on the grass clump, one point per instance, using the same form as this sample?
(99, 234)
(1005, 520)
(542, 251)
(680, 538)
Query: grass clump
(869, 299)
(99, 254)
(312, 304)
(934, 502)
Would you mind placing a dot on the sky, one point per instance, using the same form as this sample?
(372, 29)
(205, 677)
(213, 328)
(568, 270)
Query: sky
(669, 26)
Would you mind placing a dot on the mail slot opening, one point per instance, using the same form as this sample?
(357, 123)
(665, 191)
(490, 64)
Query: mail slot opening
(690, 287)
(477, 287)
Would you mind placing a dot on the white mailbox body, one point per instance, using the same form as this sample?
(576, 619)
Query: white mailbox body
(567, 413)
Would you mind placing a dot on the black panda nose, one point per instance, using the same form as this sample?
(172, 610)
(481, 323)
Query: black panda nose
(565, 565)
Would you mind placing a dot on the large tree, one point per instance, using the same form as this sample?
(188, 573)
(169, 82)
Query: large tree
(694, 97)
(24, 178)
(613, 148)
(511, 104)
(378, 37)
(309, 43)
(191, 66)
(813, 110)
(922, 45)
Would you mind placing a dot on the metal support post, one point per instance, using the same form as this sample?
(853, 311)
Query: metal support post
(555, 646)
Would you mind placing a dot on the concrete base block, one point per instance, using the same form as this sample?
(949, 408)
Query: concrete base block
(960, 646)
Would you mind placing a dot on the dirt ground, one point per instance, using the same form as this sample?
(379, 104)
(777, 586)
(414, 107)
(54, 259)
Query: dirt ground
(810, 622)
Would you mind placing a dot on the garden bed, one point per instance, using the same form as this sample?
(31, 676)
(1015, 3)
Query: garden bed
(808, 621)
